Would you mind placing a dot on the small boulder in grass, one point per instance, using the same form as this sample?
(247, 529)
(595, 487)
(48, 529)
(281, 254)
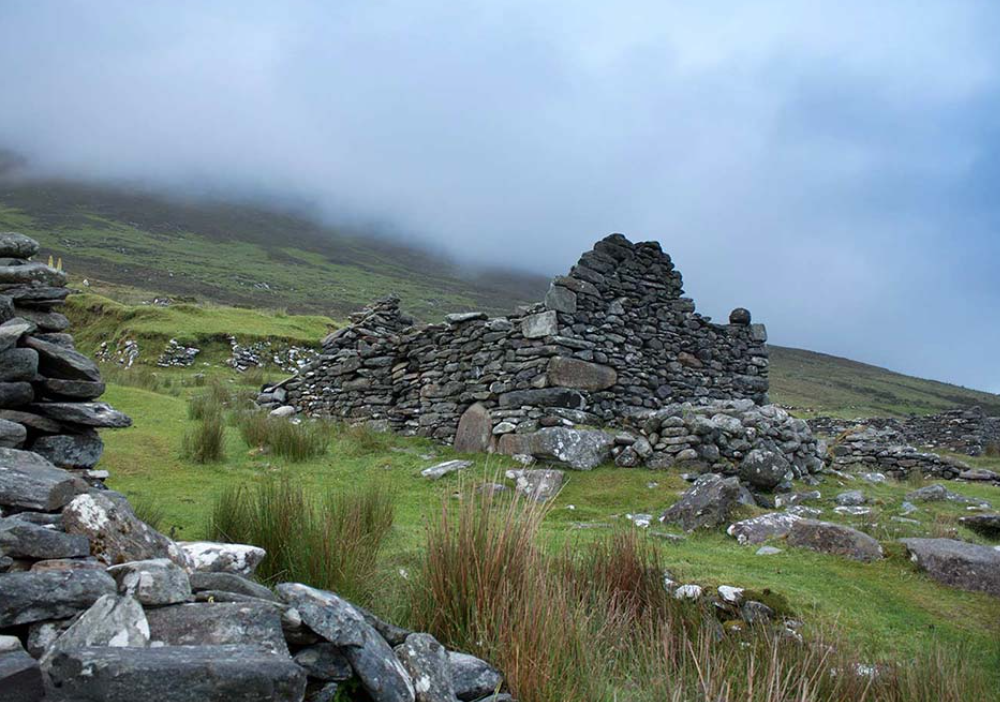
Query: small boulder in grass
(834, 539)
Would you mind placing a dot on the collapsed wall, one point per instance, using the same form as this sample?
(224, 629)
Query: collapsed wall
(614, 337)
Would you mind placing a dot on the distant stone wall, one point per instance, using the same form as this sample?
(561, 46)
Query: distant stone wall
(965, 430)
(614, 337)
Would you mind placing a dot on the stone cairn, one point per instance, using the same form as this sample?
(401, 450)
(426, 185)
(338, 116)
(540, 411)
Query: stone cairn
(97, 606)
(615, 343)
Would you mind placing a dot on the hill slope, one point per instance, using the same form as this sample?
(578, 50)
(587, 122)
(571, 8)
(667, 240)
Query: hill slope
(243, 255)
(832, 385)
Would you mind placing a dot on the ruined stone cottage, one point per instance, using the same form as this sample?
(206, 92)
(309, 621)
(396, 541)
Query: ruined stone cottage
(614, 337)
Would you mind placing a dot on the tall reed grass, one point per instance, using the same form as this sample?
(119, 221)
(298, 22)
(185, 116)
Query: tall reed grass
(295, 441)
(333, 542)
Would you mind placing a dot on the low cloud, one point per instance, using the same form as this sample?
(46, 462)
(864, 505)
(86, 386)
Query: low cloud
(830, 165)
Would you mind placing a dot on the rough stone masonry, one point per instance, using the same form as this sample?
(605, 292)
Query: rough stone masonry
(613, 339)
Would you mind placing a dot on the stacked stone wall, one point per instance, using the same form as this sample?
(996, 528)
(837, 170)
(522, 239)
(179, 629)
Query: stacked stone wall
(614, 337)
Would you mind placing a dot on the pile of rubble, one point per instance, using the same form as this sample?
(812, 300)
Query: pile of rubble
(177, 355)
(124, 352)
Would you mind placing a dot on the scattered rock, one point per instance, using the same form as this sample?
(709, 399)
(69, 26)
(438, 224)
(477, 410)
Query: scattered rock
(211, 557)
(987, 525)
(773, 525)
(426, 661)
(834, 539)
(540, 484)
(111, 621)
(764, 469)
(705, 506)
(447, 468)
(957, 563)
(472, 678)
(851, 498)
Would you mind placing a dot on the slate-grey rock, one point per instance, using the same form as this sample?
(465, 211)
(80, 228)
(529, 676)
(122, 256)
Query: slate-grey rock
(439, 470)
(705, 505)
(393, 634)
(32, 274)
(18, 364)
(957, 563)
(28, 481)
(111, 621)
(212, 557)
(75, 451)
(21, 539)
(538, 484)
(216, 624)
(834, 539)
(45, 320)
(987, 525)
(91, 414)
(72, 389)
(32, 421)
(560, 299)
(176, 674)
(540, 325)
(56, 361)
(580, 449)
(12, 330)
(325, 692)
(324, 661)
(157, 581)
(20, 678)
(16, 394)
(756, 530)
(230, 582)
(12, 434)
(851, 498)
(426, 661)
(17, 245)
(472, 678)
(116, 534)
(475, 430)
(36, 597)
(337, 621)
(580, 375)
(763, 469)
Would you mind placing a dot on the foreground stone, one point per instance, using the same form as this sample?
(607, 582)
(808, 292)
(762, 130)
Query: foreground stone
(28, 481)
(116, 534)
(440, 470)
(111, 621)
(579, 449)
(538, 484)
(215, 624)
(756, 530)
(475, 430)
(764, 469)
(20, 677)
(957, 563)
(987, 525)
(229, 582)
(21, 539)
(36, 597)
(91, 414)
(426, 661)
(834, 539)
(471, 677)
(706, 505)
(175, 674)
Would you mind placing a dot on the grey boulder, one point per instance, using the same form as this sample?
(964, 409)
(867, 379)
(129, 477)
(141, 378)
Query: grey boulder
(111, 621)
(475, 430)
(215, 624)
(176, 674)
(426, 661)
(706, 505)
(580, 449)
(157, 581)
(36, 597)
(764, 469)
(957, 563)
(834, 539)
(22, 539)
(20, 677)
(17, 245)
(987, 525)
(57, 361)
(212, 557)
(12, 434)
(74, 451)
(18, 364)
(538, 484)
(471, 677)
(756, 530)
(324, 661)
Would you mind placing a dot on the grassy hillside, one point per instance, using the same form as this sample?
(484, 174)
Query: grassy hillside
(244, 255)
(838, 386)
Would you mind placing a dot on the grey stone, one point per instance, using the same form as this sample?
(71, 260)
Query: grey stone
(333, 618)
(33, 421)
(773, 525)
(20, 678)
(45, 320)
(958, 563)
(158, 581)
(475, 430)
(560, 299)
(12, 434)
(12, 330)
(116, 534)
(471, 677)
(230, 582)
(91, 414)
(20, 539)
(111, 621)
(217, 624)
(324, 661)
(426, 662)
(740, 316)
(55, 361)
(28, 481)
(834, 539)
(17, 245)
(538, 484)
(211, 557)
(763, 469)
(176, 674)
(73, 389)
(18, 364)
(579, 449)
(540, 325)
(16, 394)
(851, 498)
(36, 597)
(53, 564)
(768, 551)
(76, 451)
(705, 506)
(436, 472)
(987, 525)
(580, 375)
(463, 317)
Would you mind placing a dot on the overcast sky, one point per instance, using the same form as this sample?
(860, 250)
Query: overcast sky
(833, 166)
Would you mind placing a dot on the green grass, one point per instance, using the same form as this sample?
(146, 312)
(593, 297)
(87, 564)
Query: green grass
(882, 607)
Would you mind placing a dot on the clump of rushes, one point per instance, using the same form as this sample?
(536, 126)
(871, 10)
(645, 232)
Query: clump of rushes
(596, 623)
(332, 543)
(206, 442)
(295, 441)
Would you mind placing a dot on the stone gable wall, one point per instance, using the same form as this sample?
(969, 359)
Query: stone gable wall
(613, 337)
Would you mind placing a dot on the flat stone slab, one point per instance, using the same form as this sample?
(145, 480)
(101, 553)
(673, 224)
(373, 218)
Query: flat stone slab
(212, 557)
(28, 481)
(39, 596)
(90, 414)
(706, 505)
(158, 581)
(17, 245)
(834, 539)
(756, 530)
(580, 449)
(21, 539)
(215, 624)
(56, 361)
(176, 674)
(475, 430)
(958, 563)
(442, 469)
(580, 375)
(230, 582)
(538, 484)
(111, 621)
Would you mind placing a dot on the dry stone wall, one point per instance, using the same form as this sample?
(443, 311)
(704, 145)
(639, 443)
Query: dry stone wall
(614, 337)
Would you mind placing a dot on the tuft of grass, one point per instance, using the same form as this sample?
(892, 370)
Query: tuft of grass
(362, 438)
(206, 442)
(992, 449)
(296, 441)
(149, 510)
(333, 543)
(138, 376)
